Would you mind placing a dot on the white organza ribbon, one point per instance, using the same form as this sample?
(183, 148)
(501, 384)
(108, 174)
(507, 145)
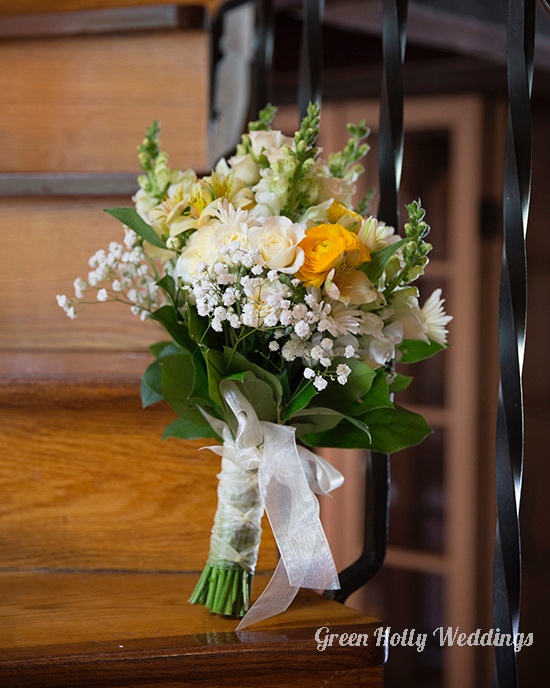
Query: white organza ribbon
(288, 475)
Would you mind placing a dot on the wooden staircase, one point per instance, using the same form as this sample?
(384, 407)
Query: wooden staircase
(104, 528)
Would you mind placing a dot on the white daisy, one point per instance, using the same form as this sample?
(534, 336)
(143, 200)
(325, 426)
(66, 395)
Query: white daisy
(341, 320)
(436, 318)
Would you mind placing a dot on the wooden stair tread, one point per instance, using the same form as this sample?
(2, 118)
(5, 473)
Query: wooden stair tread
(118, 629)
(14, 7)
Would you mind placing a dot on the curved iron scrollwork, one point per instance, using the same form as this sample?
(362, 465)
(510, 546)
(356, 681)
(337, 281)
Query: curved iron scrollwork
(512, 322)
(390, 154)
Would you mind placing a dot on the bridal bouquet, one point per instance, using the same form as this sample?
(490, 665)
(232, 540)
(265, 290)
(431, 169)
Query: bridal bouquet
(286, 309)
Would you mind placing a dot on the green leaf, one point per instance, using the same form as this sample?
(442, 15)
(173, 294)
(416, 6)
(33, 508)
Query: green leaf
(151, 385)
(167, 316)
(258, 393)
(177, 381)
(161, 349)
(200, 330)
(378, 395)
(151, 381)
(395, 429)
(349, 398)
(215, 372)
(300, 400)
(379, 259)
(237, 363)
(168, 285)
(400, 382)
(413, 350)
(200, 378)
(315, 420)
(389, 431)
(131, 218)
(186, 429)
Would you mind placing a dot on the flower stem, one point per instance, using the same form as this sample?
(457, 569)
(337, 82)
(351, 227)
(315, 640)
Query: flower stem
(224, 586)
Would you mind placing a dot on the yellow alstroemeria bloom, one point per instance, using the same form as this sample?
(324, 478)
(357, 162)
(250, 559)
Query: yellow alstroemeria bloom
(220, 186)
(327, 247)
(339, 210)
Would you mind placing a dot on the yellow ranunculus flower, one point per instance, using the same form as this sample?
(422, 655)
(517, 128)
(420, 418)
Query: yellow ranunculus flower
(325, 247)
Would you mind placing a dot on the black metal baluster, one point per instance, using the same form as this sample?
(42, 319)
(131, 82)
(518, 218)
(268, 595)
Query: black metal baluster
(311, 55)
(390, 145)
(263, 56)
(378, 480)
(512, 322)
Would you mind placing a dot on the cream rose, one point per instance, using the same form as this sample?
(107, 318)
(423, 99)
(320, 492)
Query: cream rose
(231, 235)
(270, 142)
(278, 241)
(201, 247)
(340, 190)
(245, 169)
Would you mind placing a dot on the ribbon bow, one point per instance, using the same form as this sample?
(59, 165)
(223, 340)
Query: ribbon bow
(288, 475)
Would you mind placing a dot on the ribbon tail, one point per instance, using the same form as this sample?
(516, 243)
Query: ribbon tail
(275, 599)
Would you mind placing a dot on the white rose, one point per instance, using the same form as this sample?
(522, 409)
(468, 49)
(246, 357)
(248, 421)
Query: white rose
(278, 241)
(270, 142)
(339, 190)
(201, 247)
(245, 169)
(236, 235)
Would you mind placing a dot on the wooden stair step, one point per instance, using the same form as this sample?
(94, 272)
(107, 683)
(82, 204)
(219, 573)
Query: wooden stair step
(18, 7)
(122, 629)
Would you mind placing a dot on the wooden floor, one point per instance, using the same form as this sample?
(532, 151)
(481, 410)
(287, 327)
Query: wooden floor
(115, 629)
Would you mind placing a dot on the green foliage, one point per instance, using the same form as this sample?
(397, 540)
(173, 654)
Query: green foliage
(300, 161)
(415, 249)
(188, 429)
(389, 431)
(399, 383)
(413, 350)
(341, 163)
(364, 206)
(237, 363)
(168, 316)
(149, 148)
(265, 119)
(374, 269)
(315, 420)
(131, 219)
(300, 399)
(151, 381)
(151, 161)
(258, 393)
